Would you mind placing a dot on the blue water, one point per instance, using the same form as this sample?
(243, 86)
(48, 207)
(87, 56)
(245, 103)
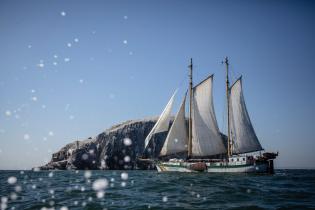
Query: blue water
(286, 189)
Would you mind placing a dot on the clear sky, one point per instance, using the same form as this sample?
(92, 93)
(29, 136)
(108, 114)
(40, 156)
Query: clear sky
(71, 69)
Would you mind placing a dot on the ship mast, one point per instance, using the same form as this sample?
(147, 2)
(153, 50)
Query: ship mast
(229, 149)
(190, 110)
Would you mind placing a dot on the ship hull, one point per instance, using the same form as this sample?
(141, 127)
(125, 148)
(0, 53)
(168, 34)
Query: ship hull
(238, 164)
(259, 168)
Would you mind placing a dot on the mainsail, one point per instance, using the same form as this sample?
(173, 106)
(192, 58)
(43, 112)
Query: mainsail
(163, 122)
(177, 137)
(206, 138)
(242, 131)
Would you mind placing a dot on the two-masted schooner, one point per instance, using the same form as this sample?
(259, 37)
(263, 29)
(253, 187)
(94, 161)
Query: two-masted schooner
(199, 146)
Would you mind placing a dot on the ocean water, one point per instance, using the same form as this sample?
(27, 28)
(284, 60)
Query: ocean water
(286, 189)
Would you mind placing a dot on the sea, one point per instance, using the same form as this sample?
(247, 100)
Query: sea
(286, 189)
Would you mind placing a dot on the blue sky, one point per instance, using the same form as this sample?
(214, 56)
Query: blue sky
(71, 69)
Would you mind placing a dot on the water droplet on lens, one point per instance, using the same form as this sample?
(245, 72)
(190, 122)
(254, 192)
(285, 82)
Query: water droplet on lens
(164, 199)
(127, 141)
(87, 174)
(12, 180)
(100, 184)
(124, 176)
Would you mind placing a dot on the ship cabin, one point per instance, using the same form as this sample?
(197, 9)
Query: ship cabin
(241, 160)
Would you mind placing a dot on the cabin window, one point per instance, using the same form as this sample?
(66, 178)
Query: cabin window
(237, 159)
(244, 159)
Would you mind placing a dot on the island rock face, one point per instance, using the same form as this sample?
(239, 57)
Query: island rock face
(116, 148)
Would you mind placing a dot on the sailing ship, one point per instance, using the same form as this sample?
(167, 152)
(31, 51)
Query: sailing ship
(200, 147)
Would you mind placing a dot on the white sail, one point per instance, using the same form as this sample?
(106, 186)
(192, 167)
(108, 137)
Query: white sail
(241, 130)
(163, 122)
(177, 137)
(206, 138)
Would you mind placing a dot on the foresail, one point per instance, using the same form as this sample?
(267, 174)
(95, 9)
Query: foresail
(163, 122)
(242, 132)
(177, 138)
(206, 139)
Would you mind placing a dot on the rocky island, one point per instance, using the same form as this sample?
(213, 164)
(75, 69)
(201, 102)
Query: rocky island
(116, 148)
